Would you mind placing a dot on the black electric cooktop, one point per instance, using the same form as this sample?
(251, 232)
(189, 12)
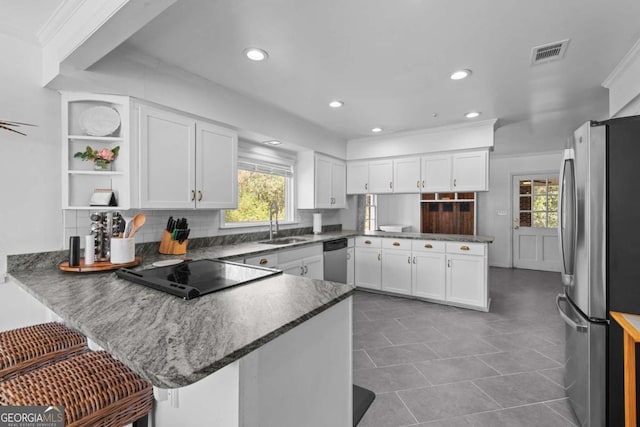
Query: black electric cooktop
(192, 279)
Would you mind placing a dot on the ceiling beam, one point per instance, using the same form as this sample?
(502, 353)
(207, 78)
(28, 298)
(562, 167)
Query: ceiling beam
(82, 32)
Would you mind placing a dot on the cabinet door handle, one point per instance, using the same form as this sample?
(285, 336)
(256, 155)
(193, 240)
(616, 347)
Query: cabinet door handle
(199, 195)
(464, 248)
(306, 269)
(348, 255)
(414, 260)
(391, 185)
(366, 186)
(409, 260)
(301, 270)
(455, 182)
(396, 243)
(418, 184)
(449, 263)
(423, 183)
(263, 261)
(193, 195)
(428, 246)
(379, 257)
(367, 242)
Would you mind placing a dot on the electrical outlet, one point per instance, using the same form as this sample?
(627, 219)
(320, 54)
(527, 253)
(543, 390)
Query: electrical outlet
(502, 212)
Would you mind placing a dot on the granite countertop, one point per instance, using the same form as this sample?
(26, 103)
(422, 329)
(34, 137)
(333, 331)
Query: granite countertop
(172, 342)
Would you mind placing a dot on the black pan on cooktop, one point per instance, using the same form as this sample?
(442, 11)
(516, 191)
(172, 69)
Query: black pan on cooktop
(192, 279)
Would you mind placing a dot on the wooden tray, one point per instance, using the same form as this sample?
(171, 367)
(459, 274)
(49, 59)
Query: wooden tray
(98, 266)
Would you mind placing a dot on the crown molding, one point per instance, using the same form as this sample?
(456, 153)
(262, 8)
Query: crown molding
(622, 66)
(57, 20)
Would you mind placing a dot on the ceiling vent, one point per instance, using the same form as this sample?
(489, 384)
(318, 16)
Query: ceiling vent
(549, 52)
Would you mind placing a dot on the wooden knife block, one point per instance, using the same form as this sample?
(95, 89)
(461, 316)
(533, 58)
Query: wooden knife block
(172, 247)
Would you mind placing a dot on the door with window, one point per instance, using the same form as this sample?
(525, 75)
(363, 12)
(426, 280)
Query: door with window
(535, 222)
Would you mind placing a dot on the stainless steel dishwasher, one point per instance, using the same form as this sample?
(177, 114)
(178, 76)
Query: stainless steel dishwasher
(335, 260)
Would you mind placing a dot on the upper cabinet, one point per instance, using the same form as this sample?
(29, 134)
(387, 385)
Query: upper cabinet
(432, 173)
(185, 163)
(102, 123)
(321, 181)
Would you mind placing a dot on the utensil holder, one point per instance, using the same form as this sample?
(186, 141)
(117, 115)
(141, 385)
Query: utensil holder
(123, 250)
(172, 247)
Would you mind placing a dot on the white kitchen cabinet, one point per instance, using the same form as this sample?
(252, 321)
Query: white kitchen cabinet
(79, 179)
(396, 271)
(381, 176)
(184, 163)
(368, 265)
(429, 275)
(470, 171)
(466, 280)
(464, 171)
(406, 175)
(436, 173)
(351, 259)
(306, 261)
(321, 181)
(357, 177)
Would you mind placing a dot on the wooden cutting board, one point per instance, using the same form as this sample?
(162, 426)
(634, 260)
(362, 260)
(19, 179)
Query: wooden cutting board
(98, 266)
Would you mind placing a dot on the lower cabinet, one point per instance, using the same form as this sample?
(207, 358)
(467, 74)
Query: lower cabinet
(450, 272)
(351, 265)
(306, 261)
(368, 271)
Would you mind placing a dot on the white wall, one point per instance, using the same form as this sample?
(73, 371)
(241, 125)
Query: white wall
(399, 209)
(501, 171)
(30, 198)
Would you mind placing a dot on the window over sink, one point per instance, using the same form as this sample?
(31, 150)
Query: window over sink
(262, 179)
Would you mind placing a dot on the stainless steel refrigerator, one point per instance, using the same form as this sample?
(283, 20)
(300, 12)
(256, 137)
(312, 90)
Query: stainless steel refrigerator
(599, 233)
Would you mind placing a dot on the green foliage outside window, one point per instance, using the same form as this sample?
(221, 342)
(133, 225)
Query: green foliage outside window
(256, 191)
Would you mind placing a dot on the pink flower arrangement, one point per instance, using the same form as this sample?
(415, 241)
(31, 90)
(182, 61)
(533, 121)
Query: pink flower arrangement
(100, 158)
(107, 154)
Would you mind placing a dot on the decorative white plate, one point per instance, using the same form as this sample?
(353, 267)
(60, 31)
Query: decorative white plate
(99, 121)
(167, 262)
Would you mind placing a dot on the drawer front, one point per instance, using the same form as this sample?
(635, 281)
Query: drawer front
(466, 248)
(368, 242)
(294, 254)
(266, 260)
(404, 244)
(428, 246)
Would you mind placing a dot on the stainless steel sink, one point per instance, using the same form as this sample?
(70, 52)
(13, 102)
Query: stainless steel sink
(283, 241)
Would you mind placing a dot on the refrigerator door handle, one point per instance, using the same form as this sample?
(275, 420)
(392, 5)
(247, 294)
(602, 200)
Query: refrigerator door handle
(568, 216)
(566, 318)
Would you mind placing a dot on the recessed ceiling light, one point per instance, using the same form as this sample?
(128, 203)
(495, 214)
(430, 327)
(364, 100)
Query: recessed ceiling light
(255, 54)
(376, 130)
(460, 74)
(336, 104)
(273, 142)
(472, 114)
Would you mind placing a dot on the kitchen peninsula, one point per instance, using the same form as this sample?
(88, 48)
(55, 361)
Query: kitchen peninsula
(277, 350)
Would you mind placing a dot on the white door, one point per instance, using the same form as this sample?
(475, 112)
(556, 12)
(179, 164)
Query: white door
(436, 173)
(368, 271)
(396, 271)
(216, 167)
(380, 176)
(465, 279)
(470, 171)
(351, 265)
(339, 184)
(314, 267)
(357, 177)
(167, 160)
(429, 275)
(406, 175)
(535, 222)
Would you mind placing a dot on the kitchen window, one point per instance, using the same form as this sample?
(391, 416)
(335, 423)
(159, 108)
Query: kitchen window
(370, 212)
(260, 182)
(539, 203)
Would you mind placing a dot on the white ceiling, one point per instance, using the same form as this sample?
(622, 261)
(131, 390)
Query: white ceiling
(390, 60)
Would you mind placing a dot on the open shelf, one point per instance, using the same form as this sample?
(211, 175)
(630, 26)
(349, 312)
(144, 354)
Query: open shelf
(91, 172)
(96, 138)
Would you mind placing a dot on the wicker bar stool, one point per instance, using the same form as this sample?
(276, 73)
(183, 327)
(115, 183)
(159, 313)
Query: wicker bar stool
(94, 388)
(25, 349)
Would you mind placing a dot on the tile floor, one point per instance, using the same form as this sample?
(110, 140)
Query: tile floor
(439, 366)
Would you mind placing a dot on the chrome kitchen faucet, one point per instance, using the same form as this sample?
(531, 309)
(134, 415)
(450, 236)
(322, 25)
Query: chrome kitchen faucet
(273, 207)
